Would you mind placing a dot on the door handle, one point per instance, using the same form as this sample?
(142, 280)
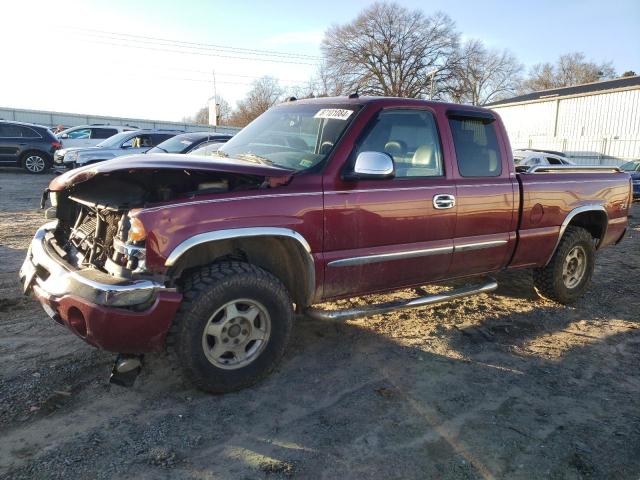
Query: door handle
(443, 200)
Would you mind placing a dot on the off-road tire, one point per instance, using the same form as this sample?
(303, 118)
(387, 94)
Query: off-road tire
(47, 162)
(548, 280)
(205, 291)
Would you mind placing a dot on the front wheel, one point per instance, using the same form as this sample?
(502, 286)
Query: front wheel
(232, 327)
(567, 275)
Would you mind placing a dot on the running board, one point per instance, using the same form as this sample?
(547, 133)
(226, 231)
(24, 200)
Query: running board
(489, 285)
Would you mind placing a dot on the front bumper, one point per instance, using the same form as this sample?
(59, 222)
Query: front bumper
(115, 314)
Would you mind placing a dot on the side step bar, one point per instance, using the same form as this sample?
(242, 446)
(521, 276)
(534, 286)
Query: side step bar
(489, 285)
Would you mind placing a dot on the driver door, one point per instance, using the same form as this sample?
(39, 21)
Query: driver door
(387, 233)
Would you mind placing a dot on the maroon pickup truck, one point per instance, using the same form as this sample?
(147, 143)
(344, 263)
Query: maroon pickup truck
(315, 200)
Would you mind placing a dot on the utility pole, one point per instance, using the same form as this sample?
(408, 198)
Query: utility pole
(432, 74)
(213, 107)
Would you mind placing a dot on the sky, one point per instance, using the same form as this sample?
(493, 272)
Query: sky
(81, 56)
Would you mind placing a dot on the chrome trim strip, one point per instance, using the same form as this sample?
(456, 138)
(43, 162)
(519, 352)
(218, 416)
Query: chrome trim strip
(569, 217)
(208, 237)
(488, 286)
(423, 252)
(385, 257)
(465, 247)
(578, 168)
(232, 199)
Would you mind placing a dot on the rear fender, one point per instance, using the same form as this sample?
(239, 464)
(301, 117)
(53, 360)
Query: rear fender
(593, 218)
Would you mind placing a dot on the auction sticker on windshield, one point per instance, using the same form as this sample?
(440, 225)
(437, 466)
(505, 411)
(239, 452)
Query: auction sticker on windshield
(334, 113)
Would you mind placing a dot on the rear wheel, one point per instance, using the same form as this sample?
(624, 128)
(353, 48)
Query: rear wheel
(567, 275)
(232, 327)
(35, 162)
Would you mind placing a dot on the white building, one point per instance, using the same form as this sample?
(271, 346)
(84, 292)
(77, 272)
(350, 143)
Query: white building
(594, 123)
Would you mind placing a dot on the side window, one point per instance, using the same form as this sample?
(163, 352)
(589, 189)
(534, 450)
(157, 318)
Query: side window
(554, 161)
(139, 141)
(10, 131)
(477, 149)
(81, 133)
(102, 133)
(29, 133)
(411, 138)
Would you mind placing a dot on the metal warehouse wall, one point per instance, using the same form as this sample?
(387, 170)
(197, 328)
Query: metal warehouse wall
(52, 119)
(593, 129)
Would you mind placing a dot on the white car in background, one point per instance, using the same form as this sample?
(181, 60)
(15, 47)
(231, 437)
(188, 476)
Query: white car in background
(533, 157)
(90, 135)
(84, 136)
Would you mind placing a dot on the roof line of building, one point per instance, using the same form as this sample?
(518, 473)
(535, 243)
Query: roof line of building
(623, 83)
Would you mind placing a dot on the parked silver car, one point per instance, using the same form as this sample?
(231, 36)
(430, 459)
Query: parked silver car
(125, 143)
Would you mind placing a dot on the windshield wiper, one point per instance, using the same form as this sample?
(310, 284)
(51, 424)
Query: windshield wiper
(252, 157)
(160, 148)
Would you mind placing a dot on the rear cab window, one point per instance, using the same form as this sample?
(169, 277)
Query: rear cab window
(476, 146)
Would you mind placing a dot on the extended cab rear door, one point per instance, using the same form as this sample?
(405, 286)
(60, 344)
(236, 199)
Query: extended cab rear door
(486, 193)
(386, 233)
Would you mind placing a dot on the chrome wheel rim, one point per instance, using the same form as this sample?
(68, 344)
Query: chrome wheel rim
(236, 334)
(34, 163)
(574, 267)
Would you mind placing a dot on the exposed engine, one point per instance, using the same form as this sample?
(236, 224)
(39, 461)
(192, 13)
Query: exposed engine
(93, 216)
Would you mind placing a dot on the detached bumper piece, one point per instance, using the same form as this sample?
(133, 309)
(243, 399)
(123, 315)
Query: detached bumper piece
(126, 369)
(115, 314)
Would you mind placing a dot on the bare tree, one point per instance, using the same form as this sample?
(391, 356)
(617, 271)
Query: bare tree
(389, 50)
(482, 75)
(202, 116)
(264, 94)
(570, 69)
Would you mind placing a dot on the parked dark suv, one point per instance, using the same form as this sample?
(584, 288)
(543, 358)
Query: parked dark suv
(26, 145)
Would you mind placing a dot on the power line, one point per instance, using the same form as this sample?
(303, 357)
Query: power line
(194, 45)
(204, 54)
(208, 73)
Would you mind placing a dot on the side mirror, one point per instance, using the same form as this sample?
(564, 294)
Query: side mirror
(372, 166)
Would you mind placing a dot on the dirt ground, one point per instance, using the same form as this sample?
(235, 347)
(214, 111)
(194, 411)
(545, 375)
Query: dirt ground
(506, 385)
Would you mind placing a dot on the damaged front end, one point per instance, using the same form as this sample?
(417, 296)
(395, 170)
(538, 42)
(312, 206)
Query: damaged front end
(88, 267)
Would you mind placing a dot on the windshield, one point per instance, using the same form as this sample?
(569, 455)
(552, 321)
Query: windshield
(177, 144)
(291, 136)
(633, 166)
(115, 140)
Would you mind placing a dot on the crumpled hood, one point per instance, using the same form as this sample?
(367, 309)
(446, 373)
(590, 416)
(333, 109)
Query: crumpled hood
(159, 161)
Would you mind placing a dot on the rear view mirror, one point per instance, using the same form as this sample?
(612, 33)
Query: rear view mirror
(64, 135)
(372, 165)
